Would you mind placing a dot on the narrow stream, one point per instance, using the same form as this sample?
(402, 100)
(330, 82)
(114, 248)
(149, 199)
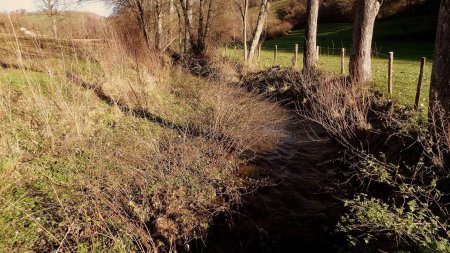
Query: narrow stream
(298, 213)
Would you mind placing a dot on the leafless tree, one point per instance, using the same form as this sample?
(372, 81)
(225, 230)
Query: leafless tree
(140, 9)
(159, 23)
(187, 19)
(197, 41)
(440, 77)
(52, 8)
(310, 52)
(170, 17)
(360, 61)
(262, 16)
(242, 6)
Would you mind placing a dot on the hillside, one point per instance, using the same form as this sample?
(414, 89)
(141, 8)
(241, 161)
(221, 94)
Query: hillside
(409, 38)
(70, 24)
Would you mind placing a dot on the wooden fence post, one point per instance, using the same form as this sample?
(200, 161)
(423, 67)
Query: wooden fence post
(275, 52)
(318, 52)
(419, 84)
(332, 42)
(259, 52)
(390, 71)
(342, 60)
(295, 55)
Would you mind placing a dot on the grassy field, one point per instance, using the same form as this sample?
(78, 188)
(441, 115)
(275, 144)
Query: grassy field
(408, 38)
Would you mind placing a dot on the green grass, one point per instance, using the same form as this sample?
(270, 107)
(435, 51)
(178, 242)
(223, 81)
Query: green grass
(408, 38)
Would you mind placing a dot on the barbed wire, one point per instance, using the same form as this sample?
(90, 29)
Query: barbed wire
(322, 50)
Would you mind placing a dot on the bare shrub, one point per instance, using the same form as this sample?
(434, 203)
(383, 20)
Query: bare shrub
(338, 106)
(333, 102)
(277, 28)
(398, 169)
(104, 148)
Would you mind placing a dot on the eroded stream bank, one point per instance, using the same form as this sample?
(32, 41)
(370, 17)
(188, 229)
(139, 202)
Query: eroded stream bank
(296, 214)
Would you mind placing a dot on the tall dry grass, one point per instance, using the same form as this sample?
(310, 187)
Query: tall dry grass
(106, 147)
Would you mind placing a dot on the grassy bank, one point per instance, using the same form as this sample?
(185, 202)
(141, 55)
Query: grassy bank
(104, 151)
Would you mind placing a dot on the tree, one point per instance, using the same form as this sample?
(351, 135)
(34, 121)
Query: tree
(360, 61)
(187, 20)
(262, 16)
(196, 42)
(243, 10)
(310, 52)
(440, 76)
(140, 9)
(159, 25)
(171, 15)
(52, 9)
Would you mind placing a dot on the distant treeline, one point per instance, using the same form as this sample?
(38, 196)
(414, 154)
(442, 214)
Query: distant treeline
(342, 10)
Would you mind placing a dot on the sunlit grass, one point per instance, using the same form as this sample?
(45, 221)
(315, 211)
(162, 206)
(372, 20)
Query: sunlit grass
(406, 73)
(409, 39)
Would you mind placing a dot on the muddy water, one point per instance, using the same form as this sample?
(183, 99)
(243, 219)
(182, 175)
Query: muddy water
(299, 211)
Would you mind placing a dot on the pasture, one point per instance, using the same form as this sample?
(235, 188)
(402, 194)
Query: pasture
(409, 39)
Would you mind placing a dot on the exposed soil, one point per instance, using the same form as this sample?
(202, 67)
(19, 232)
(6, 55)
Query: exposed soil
(296, 214)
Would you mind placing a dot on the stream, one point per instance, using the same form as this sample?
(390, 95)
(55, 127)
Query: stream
(298, 213)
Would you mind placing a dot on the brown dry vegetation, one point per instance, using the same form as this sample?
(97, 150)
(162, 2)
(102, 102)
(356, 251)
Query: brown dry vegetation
(394, 169)
(70, 24)
(105, 149)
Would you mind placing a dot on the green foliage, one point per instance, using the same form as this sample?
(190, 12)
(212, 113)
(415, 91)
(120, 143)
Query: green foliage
(411, 221)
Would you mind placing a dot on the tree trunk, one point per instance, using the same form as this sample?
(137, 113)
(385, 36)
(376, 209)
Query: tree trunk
(200, 29)
(55, 28)
(142, 23)
(243, 9)
(159, 25)
(207, 25)
(259, 28)
(187, 13)
(310, 52)
(360, 61)
(245, 21)
(170, 19)
(180, 27)
(440, 76)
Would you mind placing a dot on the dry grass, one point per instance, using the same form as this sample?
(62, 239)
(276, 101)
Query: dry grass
(333, 102)
(397, 176)
(134, 156)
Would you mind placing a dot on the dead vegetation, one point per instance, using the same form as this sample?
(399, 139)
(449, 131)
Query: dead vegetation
(103, 149)
(397, 168)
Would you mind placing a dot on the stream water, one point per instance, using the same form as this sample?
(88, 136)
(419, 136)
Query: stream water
(298, 213)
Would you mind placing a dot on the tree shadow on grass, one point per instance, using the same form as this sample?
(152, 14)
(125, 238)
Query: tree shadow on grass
(137, 112)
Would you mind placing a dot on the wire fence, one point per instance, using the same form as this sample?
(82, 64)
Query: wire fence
(323, 50)
(336, 60)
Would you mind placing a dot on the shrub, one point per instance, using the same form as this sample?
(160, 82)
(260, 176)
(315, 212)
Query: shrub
(397, 168)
